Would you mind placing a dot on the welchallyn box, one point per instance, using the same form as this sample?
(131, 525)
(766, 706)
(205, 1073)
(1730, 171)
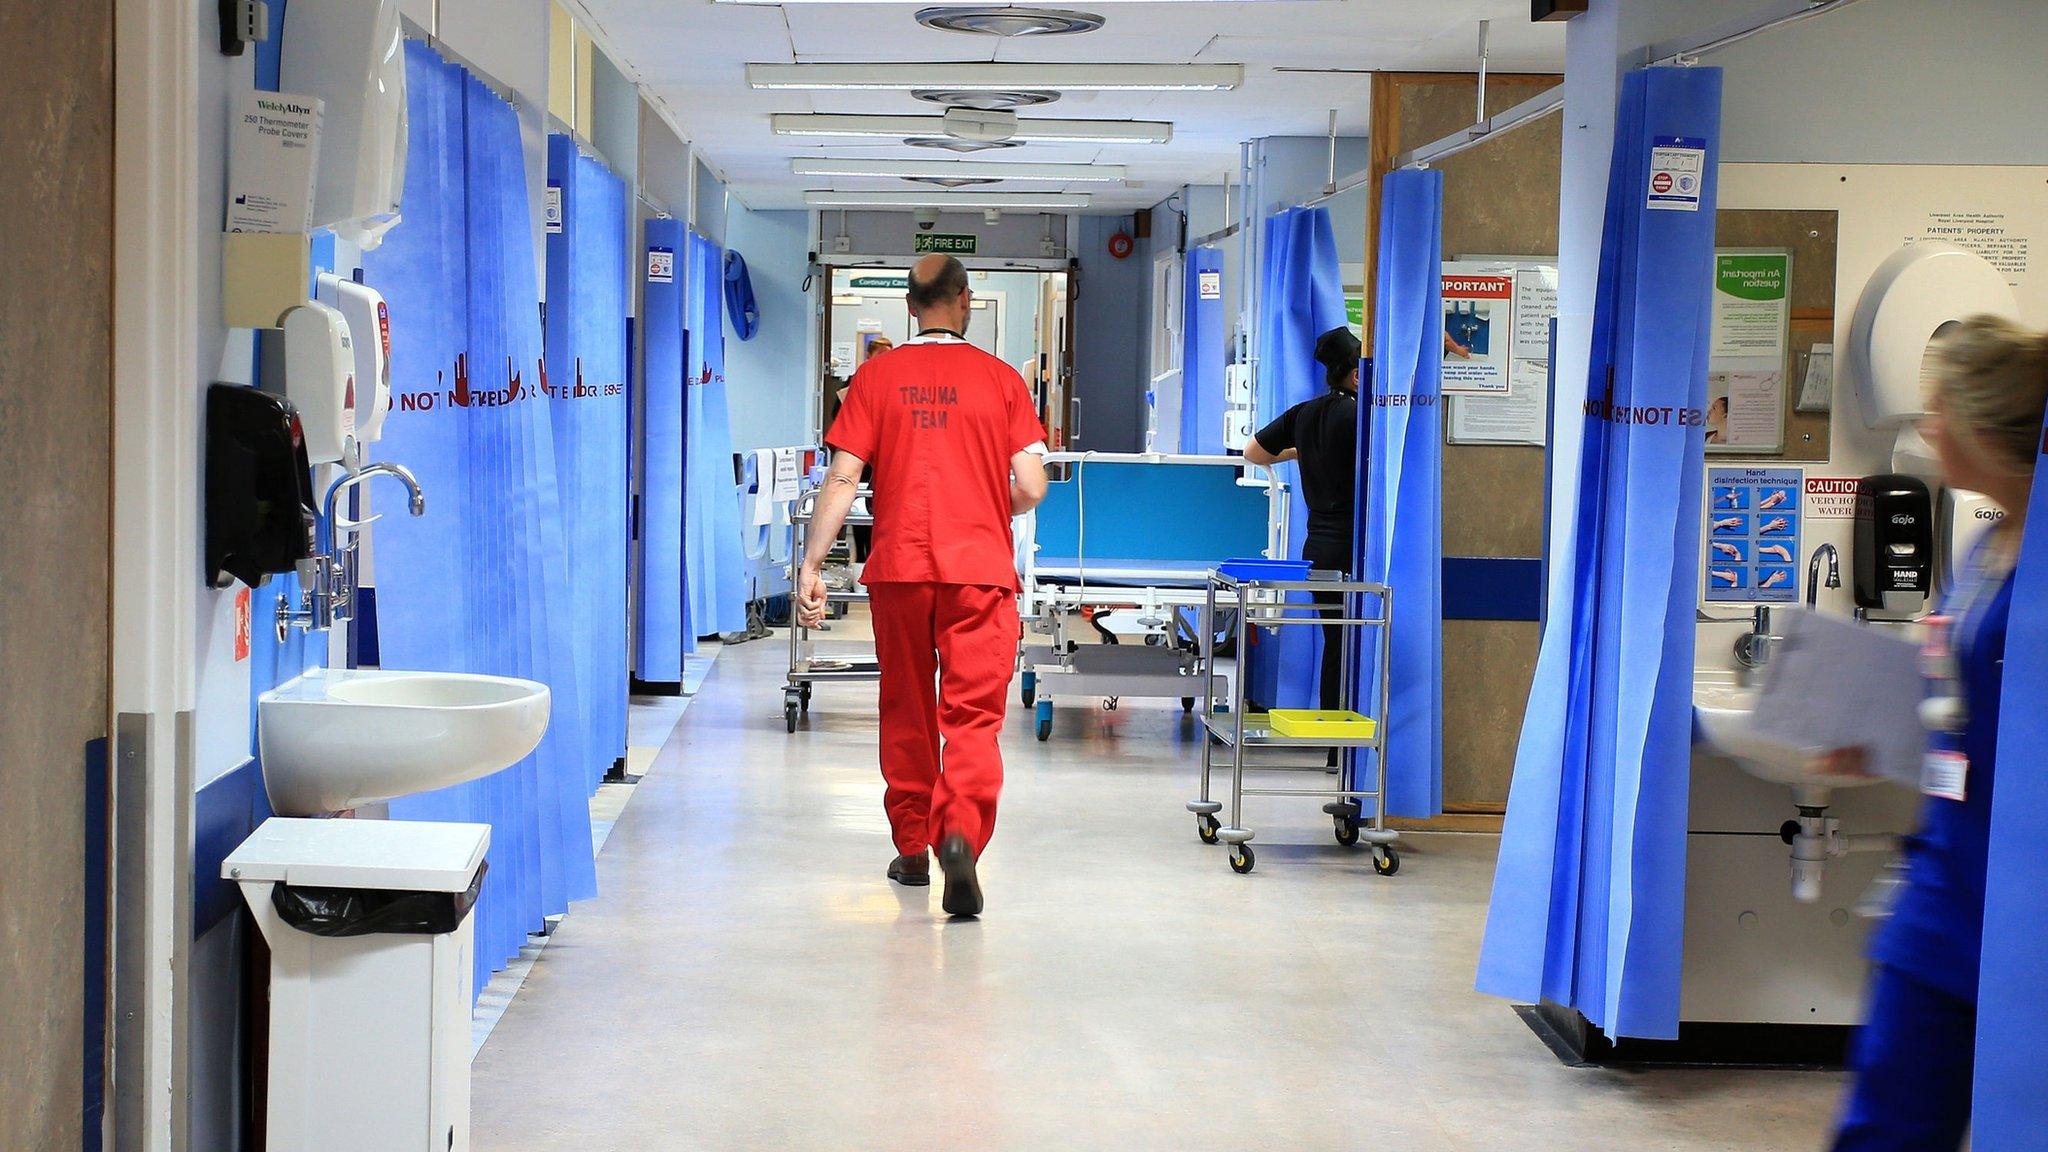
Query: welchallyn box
(1894, 546)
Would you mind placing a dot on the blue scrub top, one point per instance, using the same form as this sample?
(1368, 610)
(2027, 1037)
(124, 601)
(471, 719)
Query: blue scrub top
(1936, 929)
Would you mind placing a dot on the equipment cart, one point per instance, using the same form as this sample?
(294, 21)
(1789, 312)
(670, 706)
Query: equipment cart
(809, 663)
(1263, 603)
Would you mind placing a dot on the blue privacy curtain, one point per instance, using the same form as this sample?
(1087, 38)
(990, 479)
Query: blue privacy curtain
(2012, 1014)
(713, 549)
(1589, 893)
(1301, 297)
(1401, 545)
(1203, 357)
(663, 635)
(586, 400)
(480, 583)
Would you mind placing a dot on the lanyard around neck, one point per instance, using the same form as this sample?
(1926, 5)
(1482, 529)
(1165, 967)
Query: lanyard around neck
(937, 335)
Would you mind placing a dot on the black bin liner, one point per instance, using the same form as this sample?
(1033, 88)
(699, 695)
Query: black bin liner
(365, 911)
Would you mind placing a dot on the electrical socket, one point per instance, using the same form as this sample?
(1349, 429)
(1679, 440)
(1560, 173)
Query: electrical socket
(842, 244)
(1051, 249)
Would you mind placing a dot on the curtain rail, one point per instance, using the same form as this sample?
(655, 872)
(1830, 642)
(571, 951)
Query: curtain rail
(1782, 14)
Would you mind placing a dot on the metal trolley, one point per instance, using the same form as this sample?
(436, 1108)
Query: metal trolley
(848, 663)
(1262, 603)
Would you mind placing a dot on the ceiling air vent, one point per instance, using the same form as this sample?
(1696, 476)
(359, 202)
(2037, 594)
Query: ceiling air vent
(992, 20)
(955, 144)
(985, 99)
(953, 181)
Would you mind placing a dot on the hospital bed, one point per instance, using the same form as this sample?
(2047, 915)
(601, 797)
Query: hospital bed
(1129, 539)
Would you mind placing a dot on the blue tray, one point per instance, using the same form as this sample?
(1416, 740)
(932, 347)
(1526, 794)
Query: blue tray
(1263, 569)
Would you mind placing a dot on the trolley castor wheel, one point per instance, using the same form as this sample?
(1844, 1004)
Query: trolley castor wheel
(1386, 860)
(1241, 858)
(1206, 826)
(803, 700)
(790, 710)
(1027, 689)
(1187, 705)
(1347, 831)
(1044, 721)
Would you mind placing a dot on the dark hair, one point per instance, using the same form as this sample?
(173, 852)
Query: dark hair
(949, 283)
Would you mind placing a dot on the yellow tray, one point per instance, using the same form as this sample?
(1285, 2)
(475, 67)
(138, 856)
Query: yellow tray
(1309, 723)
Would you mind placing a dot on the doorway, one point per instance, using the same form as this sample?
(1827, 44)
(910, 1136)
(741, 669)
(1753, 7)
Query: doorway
(1021, 317)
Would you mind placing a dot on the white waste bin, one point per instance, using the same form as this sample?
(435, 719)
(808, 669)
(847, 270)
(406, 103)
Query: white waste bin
(370, 1000)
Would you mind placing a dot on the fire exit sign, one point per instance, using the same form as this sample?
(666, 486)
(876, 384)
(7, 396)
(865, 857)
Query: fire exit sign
(951, 243)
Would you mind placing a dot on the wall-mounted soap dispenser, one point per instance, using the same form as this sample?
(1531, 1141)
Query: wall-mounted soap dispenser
(369, 327)
(259, 488)
(1894, 547)
(310, 360)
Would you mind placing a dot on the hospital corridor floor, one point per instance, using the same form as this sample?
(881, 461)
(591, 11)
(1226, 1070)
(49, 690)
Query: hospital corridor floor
(748, 979)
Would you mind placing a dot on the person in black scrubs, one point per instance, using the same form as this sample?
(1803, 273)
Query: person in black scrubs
(1321, 436)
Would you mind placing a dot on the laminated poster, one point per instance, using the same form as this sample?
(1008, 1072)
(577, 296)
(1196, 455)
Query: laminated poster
(1479, 330)
(1752, 305)
(1745, 412)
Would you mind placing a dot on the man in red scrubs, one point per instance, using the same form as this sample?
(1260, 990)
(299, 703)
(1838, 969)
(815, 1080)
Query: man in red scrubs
(955, 444)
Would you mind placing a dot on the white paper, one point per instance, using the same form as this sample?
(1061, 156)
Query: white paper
(1832, 683)
(1817, 390)
(273, 154)
(1535, 306)
(788, 472)
(1520, 417)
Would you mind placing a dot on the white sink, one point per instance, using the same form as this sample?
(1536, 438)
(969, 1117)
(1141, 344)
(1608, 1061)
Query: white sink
(1722, 705)
(338, 739)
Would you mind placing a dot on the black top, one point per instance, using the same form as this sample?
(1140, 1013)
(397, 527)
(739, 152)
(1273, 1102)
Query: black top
(1324, 431)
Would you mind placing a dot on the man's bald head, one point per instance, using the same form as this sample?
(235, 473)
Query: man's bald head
(936, 279)
(938, 292)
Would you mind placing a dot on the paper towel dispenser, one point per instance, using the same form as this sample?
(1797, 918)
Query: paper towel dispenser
(1915, 293)
(259, 487)
(351, 54)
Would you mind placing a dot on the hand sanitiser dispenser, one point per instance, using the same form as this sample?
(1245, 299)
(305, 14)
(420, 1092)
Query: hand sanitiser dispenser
(310, 359)
(369, 328)
(1894, 547)
(259, 488)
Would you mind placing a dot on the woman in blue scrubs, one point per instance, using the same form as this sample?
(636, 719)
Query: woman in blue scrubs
(1915, 1055)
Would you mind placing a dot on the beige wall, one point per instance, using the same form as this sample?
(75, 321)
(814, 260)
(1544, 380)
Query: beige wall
(56, 129)
(1499, 199)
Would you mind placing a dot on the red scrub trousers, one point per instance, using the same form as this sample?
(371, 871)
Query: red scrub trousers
(946, 652)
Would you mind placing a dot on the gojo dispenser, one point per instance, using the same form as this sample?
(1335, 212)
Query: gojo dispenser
(1894, 546)
(259, 488)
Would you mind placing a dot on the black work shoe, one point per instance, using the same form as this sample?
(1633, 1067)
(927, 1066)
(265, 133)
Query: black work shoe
(911, 871)
(963, 890)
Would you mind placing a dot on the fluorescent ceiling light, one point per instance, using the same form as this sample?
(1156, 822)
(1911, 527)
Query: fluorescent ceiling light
(951, 169)
(940, 198)
(1028, 131)
(1057, 77)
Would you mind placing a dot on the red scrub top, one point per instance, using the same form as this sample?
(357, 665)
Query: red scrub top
(938, 421)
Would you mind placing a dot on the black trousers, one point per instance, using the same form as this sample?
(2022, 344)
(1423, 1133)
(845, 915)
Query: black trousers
(1332, 556)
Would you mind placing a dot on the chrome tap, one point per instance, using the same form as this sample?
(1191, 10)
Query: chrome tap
(328, 580)
(1753, 648)
(1834, 558)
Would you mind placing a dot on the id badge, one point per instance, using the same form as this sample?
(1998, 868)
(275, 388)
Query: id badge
(1944, 774)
